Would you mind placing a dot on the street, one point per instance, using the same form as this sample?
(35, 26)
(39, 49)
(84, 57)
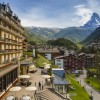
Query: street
(89, 89)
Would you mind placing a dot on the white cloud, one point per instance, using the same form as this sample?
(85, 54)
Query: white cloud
(94, 5)
(83, 13)
(38, 17)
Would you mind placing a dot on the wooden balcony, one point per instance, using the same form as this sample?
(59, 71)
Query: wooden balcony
(10, 31)
(11, 22)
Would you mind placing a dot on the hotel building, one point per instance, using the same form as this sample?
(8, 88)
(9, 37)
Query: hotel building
(11, 47)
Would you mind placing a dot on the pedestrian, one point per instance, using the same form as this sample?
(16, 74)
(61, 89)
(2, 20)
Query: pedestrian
(39, 85)
(42, 85)
(35, 84)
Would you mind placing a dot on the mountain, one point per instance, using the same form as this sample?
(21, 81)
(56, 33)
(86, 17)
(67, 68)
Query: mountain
(75, 34)
(32, 37)
(43, 32)
(95, 36)
(94, 22)
(63, 42)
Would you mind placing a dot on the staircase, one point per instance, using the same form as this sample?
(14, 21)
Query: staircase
(49, 94)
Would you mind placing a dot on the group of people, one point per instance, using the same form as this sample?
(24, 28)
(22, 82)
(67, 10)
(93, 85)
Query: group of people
(40, 85)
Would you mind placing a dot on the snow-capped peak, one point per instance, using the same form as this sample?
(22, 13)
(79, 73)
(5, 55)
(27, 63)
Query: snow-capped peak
(94, 21)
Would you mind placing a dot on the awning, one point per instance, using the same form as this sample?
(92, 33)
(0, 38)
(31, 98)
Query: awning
(23, 64)
(7, 69)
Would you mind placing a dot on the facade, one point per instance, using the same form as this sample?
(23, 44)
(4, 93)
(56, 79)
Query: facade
(59, 81)
(11, 47)
(25, 45)
(59, 62)
(70, 62)
(49, 53)
(88, 60)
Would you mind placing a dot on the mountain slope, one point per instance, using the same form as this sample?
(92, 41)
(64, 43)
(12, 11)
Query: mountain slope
(75, 34)
(63, 42)
(93, 37)
(43, 32)
(94, 22)
(32, 37)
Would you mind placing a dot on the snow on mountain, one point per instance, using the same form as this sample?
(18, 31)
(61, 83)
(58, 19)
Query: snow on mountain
(94, 22)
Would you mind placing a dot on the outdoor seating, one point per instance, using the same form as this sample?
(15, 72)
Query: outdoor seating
(26, 97)
(10, 98)
(25, 83)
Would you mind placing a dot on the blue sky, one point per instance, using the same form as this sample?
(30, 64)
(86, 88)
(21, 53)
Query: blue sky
(54, 13)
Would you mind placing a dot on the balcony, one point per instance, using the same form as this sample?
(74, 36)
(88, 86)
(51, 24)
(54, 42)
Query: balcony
(2, 39)
(11, 21)
(10, 51)
(10, 31)
(10, 41)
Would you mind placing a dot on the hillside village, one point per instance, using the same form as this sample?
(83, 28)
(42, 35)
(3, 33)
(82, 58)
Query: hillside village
(57, 69)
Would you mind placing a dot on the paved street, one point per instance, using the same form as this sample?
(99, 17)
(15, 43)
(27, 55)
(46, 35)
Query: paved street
(44, 94)
(90, 90)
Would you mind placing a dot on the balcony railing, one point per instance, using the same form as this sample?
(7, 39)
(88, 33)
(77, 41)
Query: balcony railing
(2, 39)
(6, 66)
(7, 40)
(11, 21)
(9, 51)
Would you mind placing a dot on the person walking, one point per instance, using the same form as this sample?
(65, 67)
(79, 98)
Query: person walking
(35, 84)
(39, 85)
(42, 85)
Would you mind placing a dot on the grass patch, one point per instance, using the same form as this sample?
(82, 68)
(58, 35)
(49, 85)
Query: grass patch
(40, 60)
(28, 53)
(81, 94)
(73, 76)
(94, 82)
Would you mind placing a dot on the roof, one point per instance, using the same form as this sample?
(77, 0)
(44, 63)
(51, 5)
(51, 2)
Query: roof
(59, 80)
(48, 50)
(80, 54)
(59, 72)
(63, 56)
(90, 55)
(60, 56)
(26, 64)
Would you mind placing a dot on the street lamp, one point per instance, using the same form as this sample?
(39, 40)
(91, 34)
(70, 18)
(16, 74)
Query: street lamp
(18, 66)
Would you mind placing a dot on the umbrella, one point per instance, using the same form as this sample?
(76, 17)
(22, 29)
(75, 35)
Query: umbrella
(48, 64)
(31, 68)
(46, 76)
(24, 76)
(10, 98)
(44, 63)
(15, 89)
(26, 98)
(31, 88)
(47, 67)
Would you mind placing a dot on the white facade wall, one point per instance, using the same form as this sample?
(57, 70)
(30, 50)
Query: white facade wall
(59, 62)
(48, 56)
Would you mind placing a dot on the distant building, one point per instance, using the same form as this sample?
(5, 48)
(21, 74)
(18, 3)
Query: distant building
(88, 60)
(70, 62)
(49, 53)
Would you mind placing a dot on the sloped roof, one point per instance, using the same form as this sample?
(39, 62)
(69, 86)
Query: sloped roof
(59, 72)
(59, 80)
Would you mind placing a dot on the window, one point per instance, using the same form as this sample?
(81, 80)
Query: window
(58, 60)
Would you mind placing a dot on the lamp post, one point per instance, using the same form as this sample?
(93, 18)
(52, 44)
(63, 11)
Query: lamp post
(18, 67)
